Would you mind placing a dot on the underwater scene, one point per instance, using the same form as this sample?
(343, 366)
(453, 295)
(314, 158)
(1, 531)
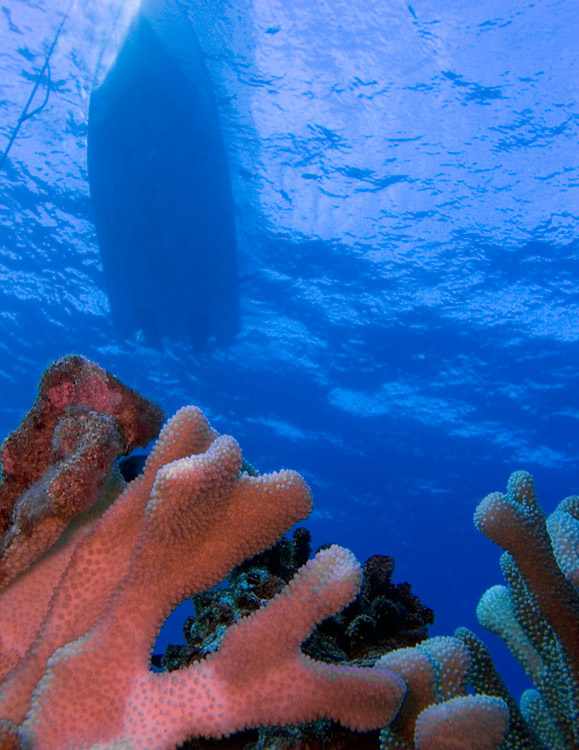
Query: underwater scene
(289, 355)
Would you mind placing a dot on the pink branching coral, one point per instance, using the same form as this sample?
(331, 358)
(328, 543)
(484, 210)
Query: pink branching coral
(176, 530)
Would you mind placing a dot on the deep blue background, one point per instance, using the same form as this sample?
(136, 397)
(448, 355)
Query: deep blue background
(405, 181)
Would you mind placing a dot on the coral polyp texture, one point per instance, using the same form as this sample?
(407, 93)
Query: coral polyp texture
(176, 530)
(537, 613)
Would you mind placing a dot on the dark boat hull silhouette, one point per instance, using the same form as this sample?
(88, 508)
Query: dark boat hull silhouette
(160, 187)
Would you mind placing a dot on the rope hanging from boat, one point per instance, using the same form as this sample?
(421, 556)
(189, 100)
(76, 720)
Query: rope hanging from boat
(45, 70)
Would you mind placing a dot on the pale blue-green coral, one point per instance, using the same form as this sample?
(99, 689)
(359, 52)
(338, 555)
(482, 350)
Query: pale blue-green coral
(453, 686)
(538, 613)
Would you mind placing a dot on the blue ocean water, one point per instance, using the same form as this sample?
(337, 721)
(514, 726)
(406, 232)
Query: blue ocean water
(405, 187)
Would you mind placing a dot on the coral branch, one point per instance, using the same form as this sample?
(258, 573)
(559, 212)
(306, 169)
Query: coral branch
(257, 679)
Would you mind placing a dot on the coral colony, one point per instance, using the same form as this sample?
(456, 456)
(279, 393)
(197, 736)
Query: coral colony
(288, 652)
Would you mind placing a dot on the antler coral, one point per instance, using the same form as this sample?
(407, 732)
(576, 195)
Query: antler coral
(176, 530)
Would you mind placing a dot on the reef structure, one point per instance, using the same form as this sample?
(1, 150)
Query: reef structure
(95, 582)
